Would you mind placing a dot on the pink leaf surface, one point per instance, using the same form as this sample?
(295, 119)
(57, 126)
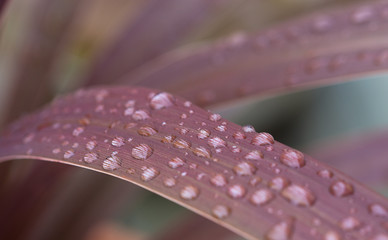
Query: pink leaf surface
(241, 179)
(326, 47)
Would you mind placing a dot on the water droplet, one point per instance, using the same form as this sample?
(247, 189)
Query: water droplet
(142, 151)
(175, 162)
(84, 121)
(130, 103)
(180, 143)
(68, 154)
(261, 197)
(129, 111)
(149, 173)
(278, 183)
(378, 210)
(187, 104)
(362, 15)
(349, 223)
(189, 192)
(56, 150)
(292, 158)
(215, 117)
(239, 136)
(202, 152)
(90, 157)
(298, 195)
(168, 139)
(140, 115)
(280, 231)
(221, 128)
(118, 141)
(162, 100)
(255, 180)
(254, 155)
(111, 163)
(220, 211)
(244, 169)
(169, 182)
(262, 139)
(77, 131)
(248, 129)
(146, 131)
(216, 142)
(325, 173)
(203, 133)
(340, 188)
(219, 180)
(331, 235)
(236, 191)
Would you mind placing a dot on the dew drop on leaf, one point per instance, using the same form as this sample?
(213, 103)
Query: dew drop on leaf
(239, 136)
(292, 158)
(146, 131)
(149, 173)
(90, 157)
(216, 142)
(111, 163)
(142, 151)
(349, 223)
(140, 115)
(189, 192)
(254, 155)
(262, 138)
(162, 100)
(202, 152)
(220, 211)
(261, 197)
(175, 162)
(77, 131)
(68, 154)
(340, 188)
(219, 180)
(118, 142)
(169, 182)
(214, 117)
(298, 195)
(244, 169)
(203, 133)
(325, 173)
(378, 210)
(180, 143)
(248, 129)
(280, 231)
(331, 235)
(278, 183)
(236, 191)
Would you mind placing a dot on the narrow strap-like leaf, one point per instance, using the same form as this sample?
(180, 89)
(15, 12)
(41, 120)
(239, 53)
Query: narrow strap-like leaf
(241, 179)
(326, 47)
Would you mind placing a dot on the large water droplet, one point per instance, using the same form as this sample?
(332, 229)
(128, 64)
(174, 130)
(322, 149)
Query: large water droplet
(244, 169)
(340, 188)
(162, 100)
(280, 231)
(203, 133)
(292, 158)
(68, 154)
(91, 145)
(378, 210)
(254, 155)
(118, 141)
(331, 235)
(278, 183)
(175, 162)
(236, 191)
(349, 223)
(218, 180)
(189, 192)
(261, 197)
(169, 182)
(90, 157)
(262, 138)
(214, 117)
(220, 211)
(202, 152)
(298, 195)
(180, 143)
(149, 173)
(146, 131)
(111, 163)
(140, 115)
(216, 142)
(142, 151)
